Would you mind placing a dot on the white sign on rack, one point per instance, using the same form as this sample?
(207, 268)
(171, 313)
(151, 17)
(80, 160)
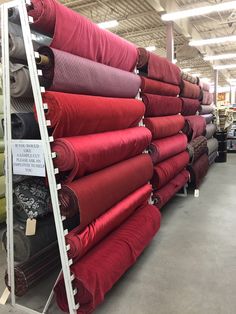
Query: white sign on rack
(28, 158)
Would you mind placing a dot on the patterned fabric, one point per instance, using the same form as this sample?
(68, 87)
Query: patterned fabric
(197, 147)
(187, 77)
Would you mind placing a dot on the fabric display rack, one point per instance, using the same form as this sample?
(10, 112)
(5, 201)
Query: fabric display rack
(119, 133)
(2, 177)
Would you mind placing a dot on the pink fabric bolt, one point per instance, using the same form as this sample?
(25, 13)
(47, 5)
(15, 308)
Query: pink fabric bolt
(207, 98)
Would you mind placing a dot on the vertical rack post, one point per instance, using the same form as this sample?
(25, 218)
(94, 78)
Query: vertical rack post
(169, 42)
(216, 79)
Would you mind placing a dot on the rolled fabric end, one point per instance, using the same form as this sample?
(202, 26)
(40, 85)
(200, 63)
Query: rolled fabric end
(69, 202)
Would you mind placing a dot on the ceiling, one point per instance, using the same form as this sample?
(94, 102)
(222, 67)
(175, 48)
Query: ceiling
(140, 22)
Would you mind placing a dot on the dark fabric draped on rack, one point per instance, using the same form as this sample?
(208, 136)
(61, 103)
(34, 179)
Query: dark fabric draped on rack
(212, 157)
(208, 117)
(198, 170)
(210, 130)
(164, 126)
(89, 153)
(194, 126)
(190, 90)
(168, 169)
(72, 74)
(189, 106)
(98, 271)
(167, 147)
(22, 105)
(24, 126)
(158, 88)
(29, 273)
(20, 81)
(80, 36)
(212, 145)
(162, 196)
(81, 242)
(187, 77)
(157, 105)
(73, 115)
(197, 147)
(157, 67)
(207, 98)
(206, 109)
(94, 194)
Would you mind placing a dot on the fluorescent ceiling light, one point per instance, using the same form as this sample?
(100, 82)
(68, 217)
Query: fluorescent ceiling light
(199, 11)
(151, 48)
(225, 66)
(108, 24)
(220, 57)
(186, 70)
(211, 41)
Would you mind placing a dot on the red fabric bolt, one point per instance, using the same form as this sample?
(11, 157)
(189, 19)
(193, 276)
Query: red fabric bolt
(94, 194)
(97, 272)
(164, 126)
(157, 105)
(168, 169)
(189, 106)
(73, 115)
(199, 170)
(158, 88)
(190, 90)
(82, 155)
(194, 127)
(167, 147)
(163, 195)
(81, 37)
(81, 242)
(158, 68)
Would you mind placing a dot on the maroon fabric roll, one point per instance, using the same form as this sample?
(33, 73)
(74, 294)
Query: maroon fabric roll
(157, 105)
(189, 106)
(168, 147)
(197, 147)
(73, 115)
(194, 126)
(199, 170)
(94, 194)
(81, 37)
(102, 267)
(207, 98)
(158, 68)
(81, 155)
(164, 126)
(165, 194)
(190, 90)
(81, 242)
(158, 88)
(168, 169)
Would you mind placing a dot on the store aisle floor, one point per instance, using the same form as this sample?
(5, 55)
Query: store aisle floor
(190, 267)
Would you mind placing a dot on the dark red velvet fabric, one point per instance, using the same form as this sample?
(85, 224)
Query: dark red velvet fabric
(168, 169)
(158, 88)
(94, 194)
(194, 126)
(81, 155)
(164, 126)
(97, 272)
(158, 68)
(73, 115)
(190, 90)
(76, 34)
(199, 170)
(165, 194)
(167, 147)
(81, 242)
(189, 106)
(157, 105)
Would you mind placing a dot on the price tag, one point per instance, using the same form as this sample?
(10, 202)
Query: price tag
(4, 296)
(28, 158)
(196, 193)
(30, 227)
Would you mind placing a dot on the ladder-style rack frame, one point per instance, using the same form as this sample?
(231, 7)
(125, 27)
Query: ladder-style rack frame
(48, 155)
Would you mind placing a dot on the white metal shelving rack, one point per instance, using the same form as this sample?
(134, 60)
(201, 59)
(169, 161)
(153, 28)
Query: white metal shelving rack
(48, 154)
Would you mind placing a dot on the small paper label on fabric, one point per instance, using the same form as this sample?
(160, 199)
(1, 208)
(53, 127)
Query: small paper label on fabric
(28, 158)
(5, 296)
(30, 227)
(196, 193)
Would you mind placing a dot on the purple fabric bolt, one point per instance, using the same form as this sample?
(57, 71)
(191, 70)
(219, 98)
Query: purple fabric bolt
(208, 117)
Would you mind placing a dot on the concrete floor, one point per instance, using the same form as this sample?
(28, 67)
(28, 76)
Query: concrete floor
(190, 266)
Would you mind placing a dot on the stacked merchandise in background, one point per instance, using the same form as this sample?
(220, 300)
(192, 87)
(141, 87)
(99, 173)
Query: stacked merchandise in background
(207, 112)
(195, 129)
(90, 94)
(159, 90)
(2, 177)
